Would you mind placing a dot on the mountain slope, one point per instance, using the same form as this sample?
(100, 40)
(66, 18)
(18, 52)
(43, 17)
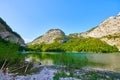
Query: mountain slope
(49, 37)
(110, 26)
(108, 31)
(8, 34)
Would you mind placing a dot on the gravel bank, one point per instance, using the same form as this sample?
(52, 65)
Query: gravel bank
(53, 73)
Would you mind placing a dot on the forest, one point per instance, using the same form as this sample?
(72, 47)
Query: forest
(94, 45)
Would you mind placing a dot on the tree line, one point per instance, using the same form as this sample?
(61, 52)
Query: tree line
(76, 45)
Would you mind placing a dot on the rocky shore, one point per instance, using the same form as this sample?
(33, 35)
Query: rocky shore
(63, 73)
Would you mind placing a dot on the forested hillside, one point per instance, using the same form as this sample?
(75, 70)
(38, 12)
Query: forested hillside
(77, 45)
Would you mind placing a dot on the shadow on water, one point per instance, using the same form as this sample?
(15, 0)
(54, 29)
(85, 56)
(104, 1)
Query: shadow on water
(78, 60)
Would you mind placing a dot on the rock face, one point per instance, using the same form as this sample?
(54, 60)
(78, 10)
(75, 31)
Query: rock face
(8, 34)
(112, 40)
(49, 37)
(108, 31)
(110, 26)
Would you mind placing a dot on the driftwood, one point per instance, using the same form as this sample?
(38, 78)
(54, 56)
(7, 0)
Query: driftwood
(18, 68)
(3, 64)
(26, 67)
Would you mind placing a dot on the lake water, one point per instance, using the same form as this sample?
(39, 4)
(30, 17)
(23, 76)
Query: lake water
(78, 60)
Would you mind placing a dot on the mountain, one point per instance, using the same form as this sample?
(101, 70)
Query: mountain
(108, 31)
(110, 26)
(8, 34)
(49, 37)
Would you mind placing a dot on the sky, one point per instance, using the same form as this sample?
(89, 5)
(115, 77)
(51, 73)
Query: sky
(32, 18)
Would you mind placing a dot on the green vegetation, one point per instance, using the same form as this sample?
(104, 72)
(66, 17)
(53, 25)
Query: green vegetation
(113, 36)
(76, 45)
(60, 59)
(9, 54)
(83, 74)
(10, 57)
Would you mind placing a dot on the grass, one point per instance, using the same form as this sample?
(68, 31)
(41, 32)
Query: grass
(84, 74)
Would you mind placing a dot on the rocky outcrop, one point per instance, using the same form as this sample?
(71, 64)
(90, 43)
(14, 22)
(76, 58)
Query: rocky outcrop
(110, 26)
(108, 31)
(8, 34)
(49, 37)
(113, 40)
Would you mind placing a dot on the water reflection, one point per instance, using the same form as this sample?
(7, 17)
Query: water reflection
(102, 61)
(41, 58)
(110, 61)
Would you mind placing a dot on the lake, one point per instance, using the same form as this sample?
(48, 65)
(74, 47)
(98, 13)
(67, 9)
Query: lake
(78, 60)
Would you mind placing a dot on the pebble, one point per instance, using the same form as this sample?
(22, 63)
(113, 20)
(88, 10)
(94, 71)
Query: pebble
(45, 74)
(48, 74)
(68, 79)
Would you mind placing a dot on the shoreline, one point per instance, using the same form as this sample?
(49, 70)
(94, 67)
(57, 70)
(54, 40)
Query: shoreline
(64, 73)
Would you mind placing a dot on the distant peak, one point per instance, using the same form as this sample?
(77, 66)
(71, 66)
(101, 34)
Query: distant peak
(55, 30)
(58, 30)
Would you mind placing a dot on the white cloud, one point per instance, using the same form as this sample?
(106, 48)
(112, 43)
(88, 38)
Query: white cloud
(119, 14)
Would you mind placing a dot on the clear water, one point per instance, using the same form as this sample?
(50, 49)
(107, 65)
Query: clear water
(78, 60)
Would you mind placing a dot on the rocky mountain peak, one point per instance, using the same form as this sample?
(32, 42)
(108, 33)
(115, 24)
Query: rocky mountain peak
(8, 34)
(108, 31)
(49, 36)
(110, 26)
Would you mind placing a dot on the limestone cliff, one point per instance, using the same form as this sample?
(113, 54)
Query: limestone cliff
(8, 34)
(108, 31)
(110, 26)
(49, 37)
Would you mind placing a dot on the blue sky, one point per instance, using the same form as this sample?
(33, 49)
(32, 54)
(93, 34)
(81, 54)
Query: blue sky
(32, 18)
